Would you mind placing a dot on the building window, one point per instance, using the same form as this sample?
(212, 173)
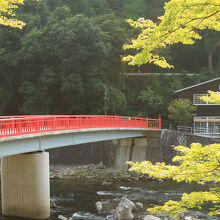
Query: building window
(207, 125)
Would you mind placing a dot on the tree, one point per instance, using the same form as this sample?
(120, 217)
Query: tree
(211, 43)
(197, 163)
(7, 15)
(181, 111)
(181, 22)
(60, 61)
(62, 81)
(113, 33)
(116, 101)
(151, 99)
(135, 9)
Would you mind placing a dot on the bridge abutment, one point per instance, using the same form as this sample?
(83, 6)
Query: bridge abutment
(138, 149)
(26, 185)
(130, 149)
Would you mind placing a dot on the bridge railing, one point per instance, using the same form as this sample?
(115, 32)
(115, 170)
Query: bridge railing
(18, 125)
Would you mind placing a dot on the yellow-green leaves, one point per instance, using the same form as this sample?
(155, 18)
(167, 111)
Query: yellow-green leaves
(192, 200)
(180, 23)
(214, 97)
(7, 17)
(197, 163)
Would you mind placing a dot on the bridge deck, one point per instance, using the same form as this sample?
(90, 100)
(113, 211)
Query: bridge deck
(22, 134)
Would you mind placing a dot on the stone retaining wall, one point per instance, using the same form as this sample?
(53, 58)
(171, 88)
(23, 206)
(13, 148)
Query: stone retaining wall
(116, 152)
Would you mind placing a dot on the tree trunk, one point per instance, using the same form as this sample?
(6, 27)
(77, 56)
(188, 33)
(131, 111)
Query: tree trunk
(210, 65)
(10, 85)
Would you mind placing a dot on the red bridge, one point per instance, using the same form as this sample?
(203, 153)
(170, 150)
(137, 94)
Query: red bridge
(29, 124)
(25, 181)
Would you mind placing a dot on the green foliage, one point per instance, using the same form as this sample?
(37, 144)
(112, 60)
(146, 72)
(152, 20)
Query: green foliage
(181, 111)
(117, 102)
(150, 98)
(68, 50)
(3, 100)
(150, 95)
(153, 9)
(112, 34)
(116, 5)
(135, 9)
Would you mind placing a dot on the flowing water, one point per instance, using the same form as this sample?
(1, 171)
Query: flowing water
(77, 199)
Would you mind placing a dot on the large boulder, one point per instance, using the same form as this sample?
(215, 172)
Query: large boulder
(124, 210)
(151, 217)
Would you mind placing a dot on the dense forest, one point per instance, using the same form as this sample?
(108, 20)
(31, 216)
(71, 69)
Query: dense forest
(67, 60)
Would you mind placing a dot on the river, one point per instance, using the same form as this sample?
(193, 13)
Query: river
(77, 198)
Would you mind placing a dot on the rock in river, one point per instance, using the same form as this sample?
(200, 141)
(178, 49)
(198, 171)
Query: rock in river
(106, 183)
(139, 205)
(124, 210)
(99, 206)
(61, 217)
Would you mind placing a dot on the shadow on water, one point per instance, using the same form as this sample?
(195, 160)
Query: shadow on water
(77, 199)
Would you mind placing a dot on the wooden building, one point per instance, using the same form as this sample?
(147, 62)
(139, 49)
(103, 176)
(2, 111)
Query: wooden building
(207, 121)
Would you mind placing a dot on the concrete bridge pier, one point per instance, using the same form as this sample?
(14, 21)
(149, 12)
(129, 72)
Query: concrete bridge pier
(138, 149)
(130, 149)
(25, 185)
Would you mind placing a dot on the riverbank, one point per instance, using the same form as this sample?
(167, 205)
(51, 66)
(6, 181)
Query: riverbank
(97, 173)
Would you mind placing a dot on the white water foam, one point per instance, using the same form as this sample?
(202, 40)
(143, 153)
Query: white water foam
(86, 215)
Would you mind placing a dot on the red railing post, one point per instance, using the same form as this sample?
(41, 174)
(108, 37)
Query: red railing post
(19, 126)
(159, 122)
(80, 122)
(37, 125)
(13, 126)
(67, 122)
(147, 123)
(54, 123)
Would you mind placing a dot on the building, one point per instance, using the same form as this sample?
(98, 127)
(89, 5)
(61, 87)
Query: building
(207, 121)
